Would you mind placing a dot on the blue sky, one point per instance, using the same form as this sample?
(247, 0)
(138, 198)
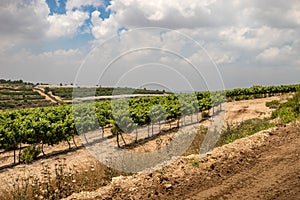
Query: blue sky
(54, 8)
(250, 42)
(59, 7)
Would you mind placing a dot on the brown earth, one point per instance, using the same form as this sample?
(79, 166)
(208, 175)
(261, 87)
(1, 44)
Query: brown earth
(57, 98)
(41, 91)
(49, 96)
(263, 166)
(238, 111)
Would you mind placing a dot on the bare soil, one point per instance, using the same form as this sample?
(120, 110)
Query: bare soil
(238, 111)
(50, 96)
(263, 166)
(41, 91)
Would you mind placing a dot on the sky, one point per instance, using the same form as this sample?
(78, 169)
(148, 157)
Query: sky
(175, 45)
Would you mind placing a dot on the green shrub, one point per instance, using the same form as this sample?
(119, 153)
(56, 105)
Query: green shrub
(273, 104)
(29, 154)
(288, 111)
(195, 163)
(205, 115)
(243, 129)
(285, 114)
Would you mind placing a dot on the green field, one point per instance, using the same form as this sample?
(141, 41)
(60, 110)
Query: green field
(66, 93)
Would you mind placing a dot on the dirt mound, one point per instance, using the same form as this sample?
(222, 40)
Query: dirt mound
(263, 166)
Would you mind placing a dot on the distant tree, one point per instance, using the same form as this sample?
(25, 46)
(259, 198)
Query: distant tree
(47, 89)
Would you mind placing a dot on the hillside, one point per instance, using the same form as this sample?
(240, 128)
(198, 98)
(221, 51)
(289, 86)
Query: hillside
(66, 92)
(18, 96)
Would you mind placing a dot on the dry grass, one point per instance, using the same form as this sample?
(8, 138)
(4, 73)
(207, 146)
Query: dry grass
(197, 142)
(59, 181)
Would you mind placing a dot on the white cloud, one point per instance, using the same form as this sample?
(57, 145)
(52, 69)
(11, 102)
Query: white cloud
(223, 58)
(22, 21)
(171, 14)
(25, 22)
(269, 54)
(103, 28)
(255, 38)
(53, 67)
(238, 35)
(280, 14)
(67, 24)
(55, 55)
(57, 3)
(228, 29)
(234, 33)
(279, 56)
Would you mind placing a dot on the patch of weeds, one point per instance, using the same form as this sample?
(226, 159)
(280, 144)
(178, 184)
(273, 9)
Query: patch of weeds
(58, 182)
(194, 148)
(195, 163)
(205, 115)
(273, 104)
(161, 171)
(243, 129)
(288, 111)
(29, 154)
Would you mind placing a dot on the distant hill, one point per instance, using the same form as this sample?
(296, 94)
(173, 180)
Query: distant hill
(66, 93)
(17, 94)
(14, 82)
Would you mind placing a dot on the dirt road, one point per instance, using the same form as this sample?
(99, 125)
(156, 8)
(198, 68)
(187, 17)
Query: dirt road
(41, 91)
(263, 166)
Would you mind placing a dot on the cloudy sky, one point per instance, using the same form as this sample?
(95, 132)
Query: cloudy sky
(194, 43)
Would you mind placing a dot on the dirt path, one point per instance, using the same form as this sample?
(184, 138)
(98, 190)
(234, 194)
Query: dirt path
(41, 91)
(57, 98)
(238, 111)
(263, 166)
(50, 96)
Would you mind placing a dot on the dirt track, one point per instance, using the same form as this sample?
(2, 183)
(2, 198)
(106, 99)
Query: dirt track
(263, 166)
(41, 91)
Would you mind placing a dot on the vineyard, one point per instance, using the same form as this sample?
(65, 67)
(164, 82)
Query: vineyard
(17, 96)
(34, 127)
(66, 93)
